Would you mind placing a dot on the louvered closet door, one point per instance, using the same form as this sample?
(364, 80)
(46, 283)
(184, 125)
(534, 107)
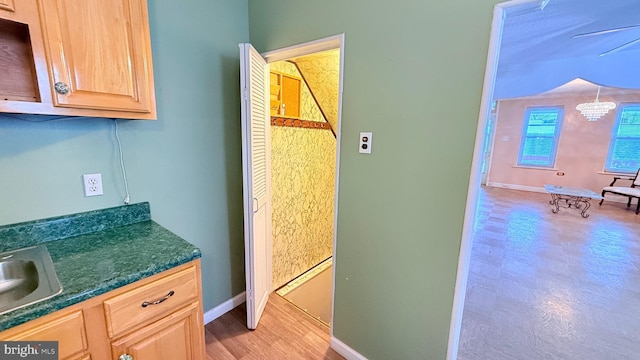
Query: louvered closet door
(256, 165)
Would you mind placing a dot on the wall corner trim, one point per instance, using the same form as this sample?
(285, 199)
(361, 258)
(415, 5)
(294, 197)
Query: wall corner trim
(473, 190)
(344, 350)
(224, 308)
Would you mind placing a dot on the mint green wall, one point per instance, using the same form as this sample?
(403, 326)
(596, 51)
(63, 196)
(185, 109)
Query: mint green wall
(186, 164)
(413, 76)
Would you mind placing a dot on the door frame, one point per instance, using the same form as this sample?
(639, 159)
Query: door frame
(489, 140)
(464, 257)
(308, 48)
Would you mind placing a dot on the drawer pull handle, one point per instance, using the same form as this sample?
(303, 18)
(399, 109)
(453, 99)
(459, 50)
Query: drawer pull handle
(125, 357)
(147, 303)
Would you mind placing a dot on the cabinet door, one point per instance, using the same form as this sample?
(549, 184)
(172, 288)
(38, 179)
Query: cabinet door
(176, 336)
(7, 5)
(285, 95)
(99, 54)
(68, 330)
(290, 96)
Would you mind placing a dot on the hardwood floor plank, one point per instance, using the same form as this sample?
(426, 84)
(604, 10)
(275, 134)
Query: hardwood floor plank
(215, 349)
(231, 335)
(541, 286)
(284, 332)
(551, 286)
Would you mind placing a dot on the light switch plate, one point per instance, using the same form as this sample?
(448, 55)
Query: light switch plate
(365, 143)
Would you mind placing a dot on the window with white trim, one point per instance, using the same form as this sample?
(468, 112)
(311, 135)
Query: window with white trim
(540, 136)
(624, 148)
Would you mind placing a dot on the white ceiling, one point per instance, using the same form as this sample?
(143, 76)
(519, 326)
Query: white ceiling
(538, 53)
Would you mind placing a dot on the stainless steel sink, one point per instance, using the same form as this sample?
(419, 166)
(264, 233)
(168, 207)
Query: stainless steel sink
(26, 276)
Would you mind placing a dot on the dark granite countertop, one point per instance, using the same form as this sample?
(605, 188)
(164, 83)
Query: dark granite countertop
(100, 257)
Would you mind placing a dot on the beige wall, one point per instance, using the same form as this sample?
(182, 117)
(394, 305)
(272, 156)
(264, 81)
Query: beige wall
(582, 148)
(303, 178)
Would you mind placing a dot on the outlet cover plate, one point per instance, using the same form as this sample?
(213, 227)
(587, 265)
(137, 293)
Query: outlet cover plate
(92, 184)
(365, 143)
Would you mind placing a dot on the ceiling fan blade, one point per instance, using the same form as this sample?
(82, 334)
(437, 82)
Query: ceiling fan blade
(620, 47)
(544, 4)
(601, 32)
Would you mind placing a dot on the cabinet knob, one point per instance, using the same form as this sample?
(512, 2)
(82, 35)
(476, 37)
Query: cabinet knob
(125, 357)
(62, 89)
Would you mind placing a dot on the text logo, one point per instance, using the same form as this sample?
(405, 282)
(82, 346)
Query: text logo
(31, 350)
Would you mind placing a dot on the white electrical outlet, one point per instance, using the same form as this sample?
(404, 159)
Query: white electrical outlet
(92, 184)
(365, 143)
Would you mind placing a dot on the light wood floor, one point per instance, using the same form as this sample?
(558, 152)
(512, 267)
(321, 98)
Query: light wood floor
(284, 332)
(542, 286)
(552, 286)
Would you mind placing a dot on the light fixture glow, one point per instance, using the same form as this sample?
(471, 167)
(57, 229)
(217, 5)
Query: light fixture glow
(595, 110)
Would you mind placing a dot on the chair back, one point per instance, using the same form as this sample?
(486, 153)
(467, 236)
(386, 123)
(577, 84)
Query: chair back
(636, 181)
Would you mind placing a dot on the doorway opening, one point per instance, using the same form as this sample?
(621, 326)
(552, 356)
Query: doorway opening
(297, 102)
(514, 204)
(304, 92)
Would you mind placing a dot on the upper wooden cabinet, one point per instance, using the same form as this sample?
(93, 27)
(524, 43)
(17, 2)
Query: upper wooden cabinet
(78, 58)
(99, 53)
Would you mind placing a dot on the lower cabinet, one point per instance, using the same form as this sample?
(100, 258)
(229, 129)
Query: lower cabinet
(169, 338)
(68, 329)
(156, 318)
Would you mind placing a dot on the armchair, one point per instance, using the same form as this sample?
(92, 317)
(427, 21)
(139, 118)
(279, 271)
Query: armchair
(631, 192)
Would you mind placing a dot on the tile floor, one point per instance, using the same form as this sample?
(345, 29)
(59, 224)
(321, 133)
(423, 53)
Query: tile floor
(552, 286)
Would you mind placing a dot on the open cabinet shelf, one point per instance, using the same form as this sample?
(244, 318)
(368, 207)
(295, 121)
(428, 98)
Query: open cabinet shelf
(284, 95)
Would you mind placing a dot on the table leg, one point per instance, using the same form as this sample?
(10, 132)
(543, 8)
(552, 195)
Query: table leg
(569, 202)
(587, 205)
(554, 201)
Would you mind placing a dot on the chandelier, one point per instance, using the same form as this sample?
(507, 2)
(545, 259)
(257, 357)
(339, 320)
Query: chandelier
(595, 110)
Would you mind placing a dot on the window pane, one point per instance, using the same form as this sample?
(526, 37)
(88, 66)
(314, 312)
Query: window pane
(541, 130)
(538, 117)
(624, 153)
(540, 137)
(629, 122)
(537, 151)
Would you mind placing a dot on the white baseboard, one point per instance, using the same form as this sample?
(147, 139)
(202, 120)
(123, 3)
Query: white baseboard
(608, 197)
(224, 308)
(344, 350)
(516, 187)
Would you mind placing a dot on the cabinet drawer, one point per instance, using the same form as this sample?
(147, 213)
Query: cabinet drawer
(149, 302)
(68, 331)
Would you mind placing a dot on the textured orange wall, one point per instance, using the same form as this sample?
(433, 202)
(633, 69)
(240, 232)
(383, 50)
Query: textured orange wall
(322, 72)
(582, 148)
(303, 190)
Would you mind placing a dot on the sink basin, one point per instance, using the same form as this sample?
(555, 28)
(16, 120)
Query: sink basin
(26, 277)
